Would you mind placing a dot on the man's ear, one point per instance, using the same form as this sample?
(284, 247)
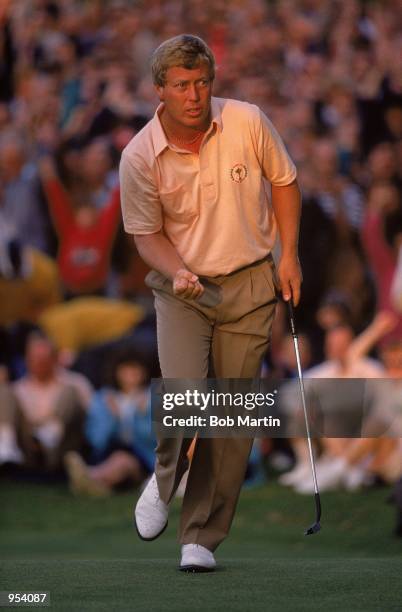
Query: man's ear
(159, 91)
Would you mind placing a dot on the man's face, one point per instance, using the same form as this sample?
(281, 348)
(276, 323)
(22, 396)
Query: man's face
(41, 359)
(187, 97)
(337, 342)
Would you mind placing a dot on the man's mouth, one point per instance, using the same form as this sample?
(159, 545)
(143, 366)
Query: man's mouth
(194, 112)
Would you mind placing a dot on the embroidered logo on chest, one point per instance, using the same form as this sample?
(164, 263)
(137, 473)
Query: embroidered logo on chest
(238, 173)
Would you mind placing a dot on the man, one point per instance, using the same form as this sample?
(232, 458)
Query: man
(45, 413)
(21, 208)
(194, 195)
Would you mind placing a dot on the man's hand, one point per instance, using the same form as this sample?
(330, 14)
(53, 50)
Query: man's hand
(290, 278)
(187, 285)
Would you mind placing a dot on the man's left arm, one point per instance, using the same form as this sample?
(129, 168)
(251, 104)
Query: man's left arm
(280, 171)
(286, 202)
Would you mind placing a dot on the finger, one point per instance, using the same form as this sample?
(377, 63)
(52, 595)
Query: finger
(189, 291)
(286, 290)
(296, 293)
(201, 289)
(197, 291)
(192, 295)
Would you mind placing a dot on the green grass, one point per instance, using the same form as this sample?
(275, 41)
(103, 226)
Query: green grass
(86, 553)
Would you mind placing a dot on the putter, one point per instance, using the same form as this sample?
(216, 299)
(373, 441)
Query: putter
(316, 526)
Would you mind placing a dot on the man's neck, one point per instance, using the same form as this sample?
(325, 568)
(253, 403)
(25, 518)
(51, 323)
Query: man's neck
(42, 381)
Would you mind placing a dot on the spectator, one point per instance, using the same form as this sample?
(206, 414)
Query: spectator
(45, 414)
(342, 361)
(20, 204)
(382, 221)
(118, 430)
(86, 236)
(351, 463)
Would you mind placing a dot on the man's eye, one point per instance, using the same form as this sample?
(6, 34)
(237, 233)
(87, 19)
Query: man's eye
(181, 85)
(204, 82)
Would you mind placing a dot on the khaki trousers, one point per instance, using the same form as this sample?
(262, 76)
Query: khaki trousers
(226, 340)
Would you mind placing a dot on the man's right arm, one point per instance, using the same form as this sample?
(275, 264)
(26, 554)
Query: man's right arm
(159, 253)
(142, 216)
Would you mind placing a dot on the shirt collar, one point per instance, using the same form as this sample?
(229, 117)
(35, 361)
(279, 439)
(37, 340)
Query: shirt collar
(216, 115)
(158, 135)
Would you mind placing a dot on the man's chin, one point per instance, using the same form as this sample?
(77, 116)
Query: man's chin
(198, 122)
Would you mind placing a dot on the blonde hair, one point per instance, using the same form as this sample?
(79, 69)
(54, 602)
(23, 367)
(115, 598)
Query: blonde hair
(185, 51)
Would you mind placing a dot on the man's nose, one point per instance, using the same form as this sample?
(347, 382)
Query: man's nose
(193, 93)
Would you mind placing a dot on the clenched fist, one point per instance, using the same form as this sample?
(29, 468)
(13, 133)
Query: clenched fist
(187, 285)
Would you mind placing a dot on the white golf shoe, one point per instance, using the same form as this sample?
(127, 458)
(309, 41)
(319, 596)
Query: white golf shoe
(196, 558)
(330, 474)
(299, 472)
(151, 513)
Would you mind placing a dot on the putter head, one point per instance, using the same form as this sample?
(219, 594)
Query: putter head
(313, 529)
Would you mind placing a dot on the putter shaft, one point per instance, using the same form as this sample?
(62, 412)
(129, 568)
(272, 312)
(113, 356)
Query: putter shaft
(316, 526)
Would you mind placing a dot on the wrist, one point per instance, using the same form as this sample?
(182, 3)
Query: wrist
(290, 254)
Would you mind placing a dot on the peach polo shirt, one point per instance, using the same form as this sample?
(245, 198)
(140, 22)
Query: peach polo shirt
(214, 207)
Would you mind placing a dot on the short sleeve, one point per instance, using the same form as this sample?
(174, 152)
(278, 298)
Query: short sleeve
(276, 163)
(140, 203)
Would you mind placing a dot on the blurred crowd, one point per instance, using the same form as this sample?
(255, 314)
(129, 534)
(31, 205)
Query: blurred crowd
(74, 89)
